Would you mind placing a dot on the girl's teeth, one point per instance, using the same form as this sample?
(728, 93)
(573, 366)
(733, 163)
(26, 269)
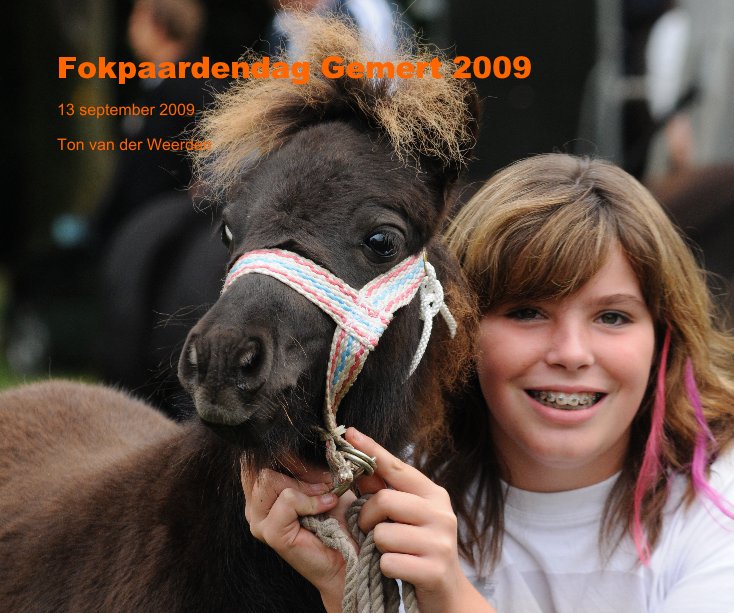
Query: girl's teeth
(561, 400)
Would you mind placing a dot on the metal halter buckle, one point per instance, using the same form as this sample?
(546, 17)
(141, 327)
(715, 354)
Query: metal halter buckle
(362, 463)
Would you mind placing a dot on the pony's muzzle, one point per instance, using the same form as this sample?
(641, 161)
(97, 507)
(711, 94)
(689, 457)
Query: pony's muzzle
(223, 370)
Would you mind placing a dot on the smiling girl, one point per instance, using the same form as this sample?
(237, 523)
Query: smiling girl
(589, 465)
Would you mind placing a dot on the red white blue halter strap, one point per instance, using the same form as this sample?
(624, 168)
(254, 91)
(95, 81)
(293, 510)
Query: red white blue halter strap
(361, 317)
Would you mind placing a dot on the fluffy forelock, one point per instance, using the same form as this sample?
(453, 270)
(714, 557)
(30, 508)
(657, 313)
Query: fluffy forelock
(419, 117)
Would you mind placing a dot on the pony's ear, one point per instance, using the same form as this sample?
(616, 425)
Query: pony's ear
(447, 170)
(474, 107)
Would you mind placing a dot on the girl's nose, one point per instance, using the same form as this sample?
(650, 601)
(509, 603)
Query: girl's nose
(570, 346)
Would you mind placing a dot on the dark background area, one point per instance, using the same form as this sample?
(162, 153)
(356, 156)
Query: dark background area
(540, 113)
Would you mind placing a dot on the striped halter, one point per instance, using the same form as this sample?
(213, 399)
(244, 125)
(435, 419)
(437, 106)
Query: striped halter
(361, 317)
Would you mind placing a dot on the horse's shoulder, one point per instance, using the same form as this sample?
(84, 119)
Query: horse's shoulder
(56, 427)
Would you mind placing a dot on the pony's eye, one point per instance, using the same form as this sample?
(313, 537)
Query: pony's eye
(383, 244)
(226, 235)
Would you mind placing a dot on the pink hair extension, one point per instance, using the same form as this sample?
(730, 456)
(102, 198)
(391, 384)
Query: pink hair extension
(705, 442)
(650, 468)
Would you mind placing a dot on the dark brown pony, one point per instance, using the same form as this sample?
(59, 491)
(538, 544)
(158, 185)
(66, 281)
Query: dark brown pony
(105, 505)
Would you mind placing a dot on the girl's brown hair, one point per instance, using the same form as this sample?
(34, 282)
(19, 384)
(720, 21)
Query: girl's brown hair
(540, 229)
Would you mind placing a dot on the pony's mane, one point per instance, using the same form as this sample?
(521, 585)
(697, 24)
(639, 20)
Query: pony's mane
(419, 117)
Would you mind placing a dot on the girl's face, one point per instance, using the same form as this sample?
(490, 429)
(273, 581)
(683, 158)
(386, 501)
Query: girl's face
(563, 379)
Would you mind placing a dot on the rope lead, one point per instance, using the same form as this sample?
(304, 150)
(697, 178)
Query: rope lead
(366, 590)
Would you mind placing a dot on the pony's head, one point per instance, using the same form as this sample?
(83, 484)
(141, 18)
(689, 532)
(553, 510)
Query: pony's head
(354, 176)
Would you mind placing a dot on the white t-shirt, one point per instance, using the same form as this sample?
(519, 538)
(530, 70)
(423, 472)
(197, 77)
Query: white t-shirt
(551, 561)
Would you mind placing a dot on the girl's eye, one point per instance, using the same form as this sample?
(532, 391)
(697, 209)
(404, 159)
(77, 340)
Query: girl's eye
(226, 235)
(612, 318)
(524, 313)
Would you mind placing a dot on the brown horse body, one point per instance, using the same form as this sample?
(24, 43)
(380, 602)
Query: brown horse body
(106, 505)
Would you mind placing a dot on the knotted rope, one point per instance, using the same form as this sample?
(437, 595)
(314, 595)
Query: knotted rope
(366, 590)
(361, 317)
(431, 298)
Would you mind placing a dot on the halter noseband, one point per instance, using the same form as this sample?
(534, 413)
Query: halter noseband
(361, 317)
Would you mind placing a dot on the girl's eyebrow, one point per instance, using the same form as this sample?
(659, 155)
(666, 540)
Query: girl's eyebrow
(613, 299)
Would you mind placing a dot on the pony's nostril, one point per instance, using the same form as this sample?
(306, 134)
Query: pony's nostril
(250, 376)
(250, 358)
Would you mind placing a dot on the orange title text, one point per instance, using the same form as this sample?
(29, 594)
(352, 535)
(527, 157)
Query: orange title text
(332, 67)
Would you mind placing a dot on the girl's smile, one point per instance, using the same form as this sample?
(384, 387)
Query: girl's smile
(566, 414)
(563, 379)
(565, 400)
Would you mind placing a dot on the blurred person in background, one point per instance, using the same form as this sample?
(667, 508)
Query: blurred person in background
(690, 164)
(158, 31)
